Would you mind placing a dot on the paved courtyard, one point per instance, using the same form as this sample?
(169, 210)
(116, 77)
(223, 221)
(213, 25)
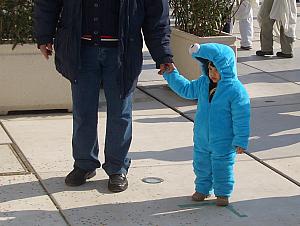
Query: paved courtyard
(35, 156)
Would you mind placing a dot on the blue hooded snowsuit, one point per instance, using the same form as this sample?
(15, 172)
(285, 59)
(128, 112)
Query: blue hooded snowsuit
(220, 125)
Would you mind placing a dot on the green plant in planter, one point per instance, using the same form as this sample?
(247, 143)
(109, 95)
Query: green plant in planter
(16, 22)
(201, 17)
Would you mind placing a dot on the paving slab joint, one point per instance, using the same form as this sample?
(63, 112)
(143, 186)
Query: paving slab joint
(18, 153)
(249, 154)
(272, 168)
(23, 162)
(26, 165)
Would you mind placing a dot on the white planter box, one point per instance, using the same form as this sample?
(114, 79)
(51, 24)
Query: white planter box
(29, 82)
(180, 43)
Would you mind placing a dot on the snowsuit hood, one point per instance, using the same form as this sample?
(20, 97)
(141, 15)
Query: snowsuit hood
(222, 56)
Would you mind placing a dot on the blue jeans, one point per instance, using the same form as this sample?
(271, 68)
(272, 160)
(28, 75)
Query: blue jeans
(100, 64)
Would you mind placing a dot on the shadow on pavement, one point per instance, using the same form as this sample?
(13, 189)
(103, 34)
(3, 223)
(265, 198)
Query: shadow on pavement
(175, 211)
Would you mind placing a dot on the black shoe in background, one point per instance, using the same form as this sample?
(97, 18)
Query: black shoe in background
(117, 183)
(78, 176)
(284, 55)
(263, 53)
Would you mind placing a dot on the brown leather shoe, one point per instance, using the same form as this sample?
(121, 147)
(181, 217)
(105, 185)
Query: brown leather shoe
(199, 197)
(222, 201)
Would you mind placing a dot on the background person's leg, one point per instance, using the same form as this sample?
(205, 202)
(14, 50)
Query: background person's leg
(286, 44)
(266, 32)
(246, 25)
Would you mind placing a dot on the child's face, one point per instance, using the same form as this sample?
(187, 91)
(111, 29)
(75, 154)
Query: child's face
(213, 73)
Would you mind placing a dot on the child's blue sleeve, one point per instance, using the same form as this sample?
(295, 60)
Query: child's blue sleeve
(240, 109)
(182, 86)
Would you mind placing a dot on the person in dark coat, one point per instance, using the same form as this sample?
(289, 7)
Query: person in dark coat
(100, 41)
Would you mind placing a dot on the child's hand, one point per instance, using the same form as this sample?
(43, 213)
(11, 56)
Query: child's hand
(168, 67)
(239, 150)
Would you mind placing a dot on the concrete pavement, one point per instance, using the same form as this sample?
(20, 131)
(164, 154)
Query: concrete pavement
(35, 156)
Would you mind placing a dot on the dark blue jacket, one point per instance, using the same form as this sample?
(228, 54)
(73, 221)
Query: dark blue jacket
(61, 20)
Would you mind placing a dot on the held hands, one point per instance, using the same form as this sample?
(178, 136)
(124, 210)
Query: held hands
(46, 50)
(239, 150)
(167, 67)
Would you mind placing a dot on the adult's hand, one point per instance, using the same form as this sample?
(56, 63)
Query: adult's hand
(167, 67)
(46, 50)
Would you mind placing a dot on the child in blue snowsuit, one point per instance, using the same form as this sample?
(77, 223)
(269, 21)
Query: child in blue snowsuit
(222, 120)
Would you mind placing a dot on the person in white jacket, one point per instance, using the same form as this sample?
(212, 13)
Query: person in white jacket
(284, 13)
(244, 14)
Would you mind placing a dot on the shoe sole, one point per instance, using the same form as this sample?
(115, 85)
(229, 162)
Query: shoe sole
(245, 48)
(88, 176)
(262, 54)
(284, 56)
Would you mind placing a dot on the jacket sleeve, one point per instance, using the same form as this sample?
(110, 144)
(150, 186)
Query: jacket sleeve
(182, 86)
(240, 109)
(157, 31)
(45, 16)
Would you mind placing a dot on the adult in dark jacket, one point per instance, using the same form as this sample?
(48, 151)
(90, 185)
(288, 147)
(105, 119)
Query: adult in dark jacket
(101, 41)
